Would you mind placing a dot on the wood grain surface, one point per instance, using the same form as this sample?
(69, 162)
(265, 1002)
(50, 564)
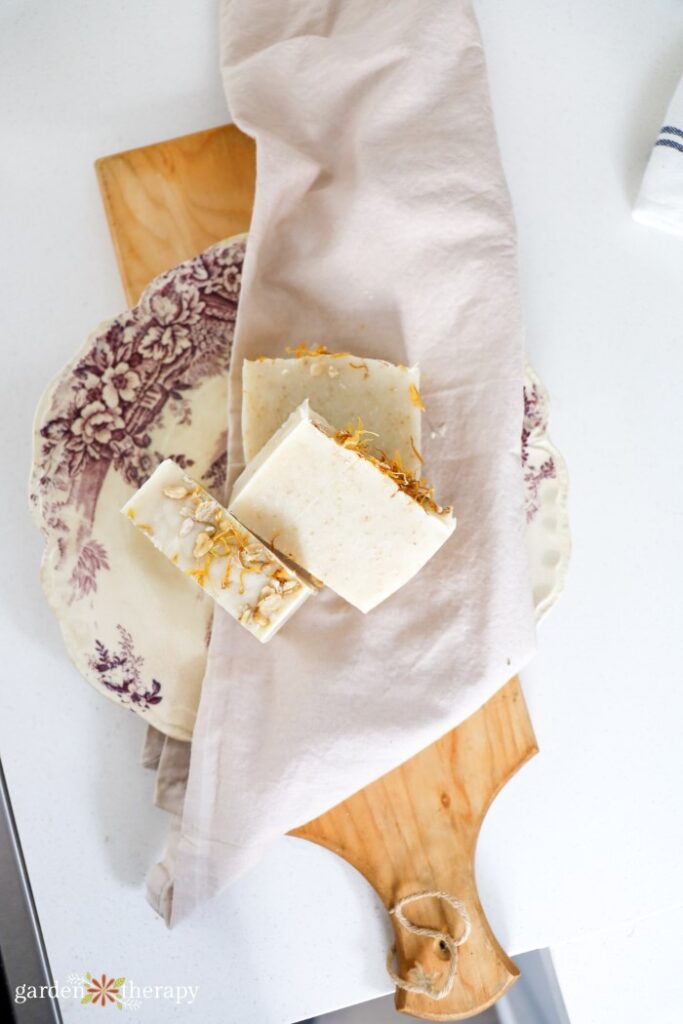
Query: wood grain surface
(167, 202)
(417, 827)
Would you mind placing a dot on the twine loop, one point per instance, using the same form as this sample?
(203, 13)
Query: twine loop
(419, 982)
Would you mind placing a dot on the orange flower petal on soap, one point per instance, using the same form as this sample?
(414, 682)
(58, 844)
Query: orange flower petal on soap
(416, 488)
(302, 350)
(416, 398)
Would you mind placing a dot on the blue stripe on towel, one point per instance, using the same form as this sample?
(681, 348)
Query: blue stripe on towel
(670, 130)
(670, 143)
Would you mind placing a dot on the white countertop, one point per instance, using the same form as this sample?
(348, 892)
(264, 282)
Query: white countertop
(582, 850)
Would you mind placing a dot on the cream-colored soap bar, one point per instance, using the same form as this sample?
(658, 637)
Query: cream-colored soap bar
(360, 526)
(211, 547)
(341, 387)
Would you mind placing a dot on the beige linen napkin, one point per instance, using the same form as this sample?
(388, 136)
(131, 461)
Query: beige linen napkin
(382, 225)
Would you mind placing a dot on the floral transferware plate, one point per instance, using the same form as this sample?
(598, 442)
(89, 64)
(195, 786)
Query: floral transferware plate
(546, 485)
(149, 385)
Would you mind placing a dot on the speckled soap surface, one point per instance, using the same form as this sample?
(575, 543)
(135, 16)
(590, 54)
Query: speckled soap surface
(341, 387)
(335, 514)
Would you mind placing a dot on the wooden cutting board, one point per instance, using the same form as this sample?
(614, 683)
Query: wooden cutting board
(416, 828)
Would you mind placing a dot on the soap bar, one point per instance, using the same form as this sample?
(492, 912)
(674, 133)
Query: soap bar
(361, 526)
(212, 548)
(341, 387)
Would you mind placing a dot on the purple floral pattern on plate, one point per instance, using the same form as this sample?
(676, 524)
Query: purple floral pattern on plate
(545, 498)
(149, 385)
(91, 559)
(535, 424)
(120, 671)
(140, 369)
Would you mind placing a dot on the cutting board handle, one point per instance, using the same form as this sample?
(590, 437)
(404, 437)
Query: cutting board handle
(416, 830)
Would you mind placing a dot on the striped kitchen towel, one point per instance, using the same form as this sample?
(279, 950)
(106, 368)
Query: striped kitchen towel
(660, 202)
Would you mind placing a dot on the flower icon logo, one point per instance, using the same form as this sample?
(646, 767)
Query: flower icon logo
(103, 990)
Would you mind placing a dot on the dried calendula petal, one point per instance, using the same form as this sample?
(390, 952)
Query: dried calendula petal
(202, 545)
(361, 366)
(302, 350)
(176, 492)
(417, 488)
(416, 398)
